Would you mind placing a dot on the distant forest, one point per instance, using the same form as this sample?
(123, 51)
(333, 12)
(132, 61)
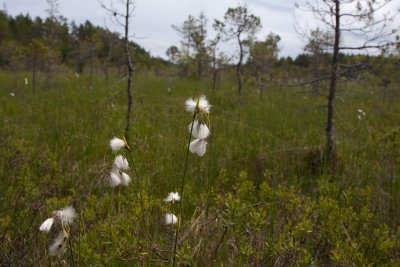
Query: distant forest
(54, 44)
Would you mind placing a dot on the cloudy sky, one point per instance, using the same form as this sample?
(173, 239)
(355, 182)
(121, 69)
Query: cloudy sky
(151, 24)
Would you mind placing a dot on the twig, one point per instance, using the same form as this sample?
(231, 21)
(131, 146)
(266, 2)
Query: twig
(220, 242)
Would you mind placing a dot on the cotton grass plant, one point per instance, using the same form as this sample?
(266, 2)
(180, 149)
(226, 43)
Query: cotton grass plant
(118, 176)
(60, 223)
(198, 129)
(197, 144)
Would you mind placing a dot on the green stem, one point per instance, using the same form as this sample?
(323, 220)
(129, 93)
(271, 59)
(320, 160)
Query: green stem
(79, 238)
(140, 190)
(70, 250)
(181, 192)
(118, 199)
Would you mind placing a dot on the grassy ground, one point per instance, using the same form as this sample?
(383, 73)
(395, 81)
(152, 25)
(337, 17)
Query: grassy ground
(259, 197)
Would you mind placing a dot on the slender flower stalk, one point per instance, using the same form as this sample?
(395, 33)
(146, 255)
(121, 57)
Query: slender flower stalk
(183, 187)
(198, 146)
(70, 251)
(140, 189)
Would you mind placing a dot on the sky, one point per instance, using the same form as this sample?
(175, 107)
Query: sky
(152, 19)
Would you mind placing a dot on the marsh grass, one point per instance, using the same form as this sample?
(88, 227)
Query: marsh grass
(261, 181)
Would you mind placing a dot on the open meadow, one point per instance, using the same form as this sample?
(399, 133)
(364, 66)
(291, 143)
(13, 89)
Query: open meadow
(260, 196)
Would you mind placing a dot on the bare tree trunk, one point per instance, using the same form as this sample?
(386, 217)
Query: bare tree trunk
(239, 66)
(330, 138)
(129, 70)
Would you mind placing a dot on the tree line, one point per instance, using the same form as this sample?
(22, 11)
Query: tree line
(52, 45)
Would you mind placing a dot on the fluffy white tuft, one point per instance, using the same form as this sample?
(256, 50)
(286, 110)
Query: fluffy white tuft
(125, 179)
(59, 245)
(172, 197)
(198, 147)
(121, 163)
(361, 114)
(195, 105)
(191, 104)
(114, 178)
(199, 131)
(66, 215)
(170, 218)
(116, 144)
(203, 104)
(46, 225)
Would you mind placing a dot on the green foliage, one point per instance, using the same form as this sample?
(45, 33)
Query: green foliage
(259, 197)
(52, 41)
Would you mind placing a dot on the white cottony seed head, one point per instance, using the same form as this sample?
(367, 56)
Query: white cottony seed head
(125, 179)
(46, 225)
(197, 105)
(66, 215)
(172, 197)
(116, 144)
(170, 218)
(114, 178)
(199, 130)
(198, 147)
(203, 104)
(191, 105)
(59, 245)
(121, 163)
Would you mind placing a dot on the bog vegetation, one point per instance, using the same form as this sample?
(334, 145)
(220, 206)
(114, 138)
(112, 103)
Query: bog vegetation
(252, 186)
